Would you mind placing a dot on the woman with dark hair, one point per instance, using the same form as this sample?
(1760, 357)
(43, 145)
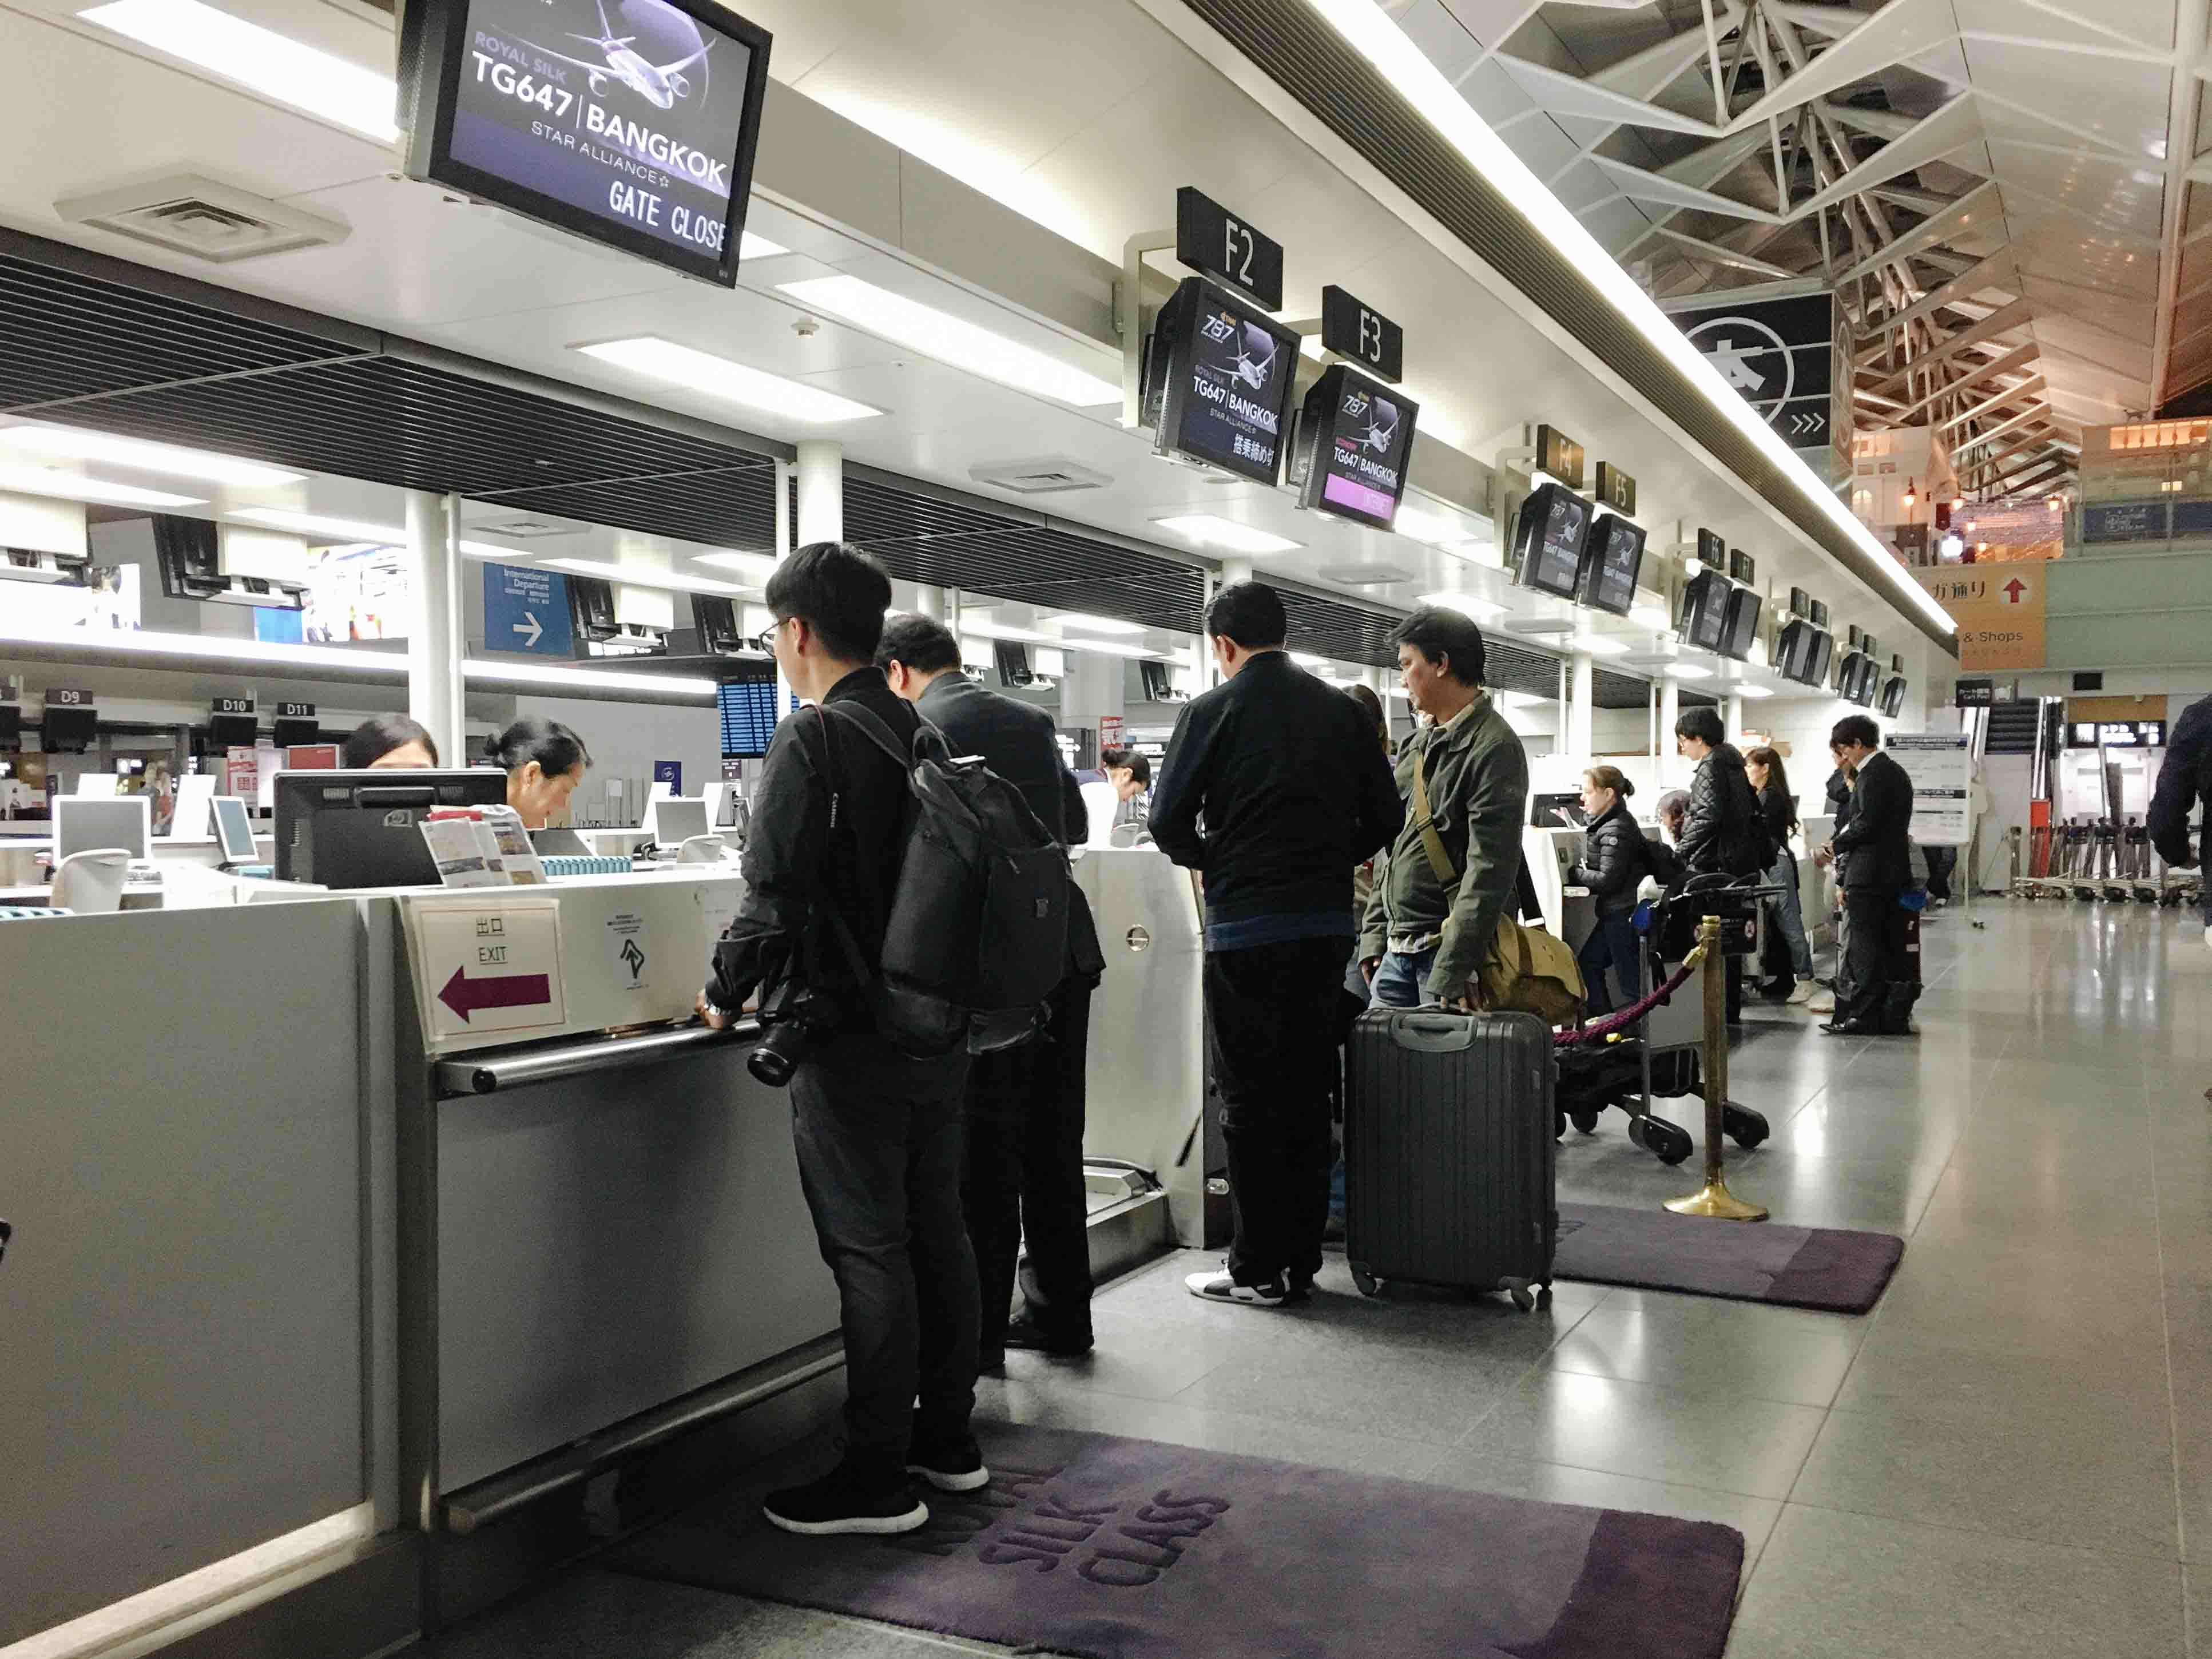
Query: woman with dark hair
(544, 761)
(1770, 778)
(389, 743)
(1616, 859)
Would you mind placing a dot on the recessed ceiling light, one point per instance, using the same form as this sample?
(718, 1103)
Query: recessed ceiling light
(1466, 603)
(1751, 690)
(1523, 699)
(1097, 624)
(751, 247)
(1688, 671)
(732, 382)
(1434, 528)
(1208, 530)
(636, 576)
(44, 481)
(1597, 645)
(1654, 616)
(268, 62)
(86, 445)
(1307, 659)
(753, 564)
(951, 339)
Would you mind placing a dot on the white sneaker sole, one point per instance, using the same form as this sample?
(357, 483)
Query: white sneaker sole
(880, 1526)
(1238, 1296)
(974, 1481)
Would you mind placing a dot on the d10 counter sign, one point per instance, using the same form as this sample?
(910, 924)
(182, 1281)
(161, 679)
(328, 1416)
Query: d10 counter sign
(629, 122)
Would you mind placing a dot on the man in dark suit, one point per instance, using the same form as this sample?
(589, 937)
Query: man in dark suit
(1873, 853)
(1023, 1172)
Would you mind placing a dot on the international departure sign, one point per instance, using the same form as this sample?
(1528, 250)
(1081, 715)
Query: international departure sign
(1999, 608)
(526, 610)
(632, 123)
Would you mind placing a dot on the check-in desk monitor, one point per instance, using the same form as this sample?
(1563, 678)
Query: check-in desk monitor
(355, 830)
(83, 822)
(1544, 811)
(560, 844)
(234, 830)
(674, 819)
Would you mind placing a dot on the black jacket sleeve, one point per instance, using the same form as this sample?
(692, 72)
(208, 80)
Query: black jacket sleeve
(2181, 784)
(1179, 790)
(1699, 848)
(1379, 813)
(783, 865)
(1776, 808)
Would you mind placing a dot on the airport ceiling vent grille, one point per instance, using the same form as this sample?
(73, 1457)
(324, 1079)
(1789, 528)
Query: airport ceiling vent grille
(1297, 49)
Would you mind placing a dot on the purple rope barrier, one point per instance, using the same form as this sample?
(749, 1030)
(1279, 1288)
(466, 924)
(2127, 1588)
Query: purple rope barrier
(1636, 1010)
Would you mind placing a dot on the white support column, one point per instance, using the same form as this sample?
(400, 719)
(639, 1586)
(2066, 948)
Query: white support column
(821, 491)
(930, 601)
(1582, 710)
(435, 646)
(1670, 708)
(1235, 570)
(1734, 715)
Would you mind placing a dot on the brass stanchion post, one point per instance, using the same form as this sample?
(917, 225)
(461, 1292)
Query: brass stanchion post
(1713, 1200)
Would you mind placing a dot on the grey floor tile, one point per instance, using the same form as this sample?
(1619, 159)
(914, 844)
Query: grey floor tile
(1724, 1350)
(1754, 1447)
(1435, 1400)
(1830, 1584)
(2035, 1386)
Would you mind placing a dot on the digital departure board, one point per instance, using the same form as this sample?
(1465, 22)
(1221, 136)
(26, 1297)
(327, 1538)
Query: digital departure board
(1220, 381)
(1612, 559)
(1357, 436)
(748, 710)
(1547, 540)
(629, 122)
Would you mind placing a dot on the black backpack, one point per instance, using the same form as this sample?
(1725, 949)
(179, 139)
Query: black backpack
(977, 937)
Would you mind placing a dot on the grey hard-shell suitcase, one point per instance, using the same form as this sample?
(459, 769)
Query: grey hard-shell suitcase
(1450, 1151)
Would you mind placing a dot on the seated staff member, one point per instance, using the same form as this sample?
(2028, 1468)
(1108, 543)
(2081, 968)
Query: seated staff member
(544, 761)
(1023, 1176)
(389, 743)
(1616, 859)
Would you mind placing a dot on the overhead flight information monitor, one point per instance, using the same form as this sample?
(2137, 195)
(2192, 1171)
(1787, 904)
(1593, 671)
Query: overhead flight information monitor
(1703, 619)
(1613, 558)
(1742, 629)
(1547, 540)
(748, 711)
(1222, 374)
(628, 122)
(1360, 433)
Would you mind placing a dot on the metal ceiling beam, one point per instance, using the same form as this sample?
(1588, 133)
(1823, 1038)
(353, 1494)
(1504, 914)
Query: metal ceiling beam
(1992, 272)
(2018, 315)
(1996, 432)
(1718, 255)
(1982, 198)
(2011, 361)
(2181, 123)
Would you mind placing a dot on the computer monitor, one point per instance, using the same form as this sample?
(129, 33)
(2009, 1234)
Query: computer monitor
(672, 822)
(234, 830)
(559, 843)
(84, 822)
(1544, 810)
(362, 828)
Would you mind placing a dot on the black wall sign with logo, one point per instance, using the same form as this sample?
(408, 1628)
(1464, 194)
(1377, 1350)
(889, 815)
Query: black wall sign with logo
(1779, 354)
(2124, 521)
(629, 122)
(1974, 694)
(1355, 437)
(1350, 328)
(1560, 455)
(1615, 488)
(1217, 383)
(1212, 239)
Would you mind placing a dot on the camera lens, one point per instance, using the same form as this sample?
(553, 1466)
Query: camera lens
(771, 1067)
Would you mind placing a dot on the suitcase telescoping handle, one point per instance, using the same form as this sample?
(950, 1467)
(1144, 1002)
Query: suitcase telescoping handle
(1432, 1030)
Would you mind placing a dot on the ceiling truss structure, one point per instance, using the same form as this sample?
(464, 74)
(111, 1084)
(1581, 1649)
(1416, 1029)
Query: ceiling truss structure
(2000, 192)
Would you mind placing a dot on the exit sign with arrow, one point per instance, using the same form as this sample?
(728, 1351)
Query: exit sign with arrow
(488, 966)
(1999, 610)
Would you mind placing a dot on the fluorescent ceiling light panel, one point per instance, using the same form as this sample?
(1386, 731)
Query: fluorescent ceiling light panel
(951, 340)
(357, 532)
(1654, 616)
(753, 564)
(1370, 30)
(85, 446)
(751, 247)
(1523, 699)
(1752, 691)
(262, 60)
(1307, 659)
(1209, 531)
(983, 628)
(732, 382)
(587, 679)
(1433, 528)
(1097, 624)
(223, 648)
(44, 481)
(1114, 648)
(1688, 671)
(638, 576)
(1466, 603)
(1598, 645)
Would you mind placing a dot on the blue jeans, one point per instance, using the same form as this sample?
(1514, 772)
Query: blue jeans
(1788, 914)
(1400, 979)
(1612, 943)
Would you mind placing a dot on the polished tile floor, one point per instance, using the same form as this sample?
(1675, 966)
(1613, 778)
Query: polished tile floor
(2012, 1454)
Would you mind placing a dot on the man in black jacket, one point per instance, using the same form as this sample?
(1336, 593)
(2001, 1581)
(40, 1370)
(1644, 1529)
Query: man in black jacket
(1873, 853)
(2184, 780)
(1023, 1176)
(1722, 829)
(878, 1134)
(1294, 791)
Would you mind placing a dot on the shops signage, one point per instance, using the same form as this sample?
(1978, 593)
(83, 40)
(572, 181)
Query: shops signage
(1941, 768)
(526, 610)
(631, 123)
(1352, 328)
(1999, 608)
(1212, 239)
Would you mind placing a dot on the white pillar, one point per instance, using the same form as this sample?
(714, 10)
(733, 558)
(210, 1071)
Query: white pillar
(1734, 715)
(1092, 691)
(1582, 710)
(1235, 570)
(1670, 707)
(435, 649)
(821, 491)
(930, 601)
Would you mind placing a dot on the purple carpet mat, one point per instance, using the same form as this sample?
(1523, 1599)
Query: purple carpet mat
(1108, 1548)
(1821, 1267)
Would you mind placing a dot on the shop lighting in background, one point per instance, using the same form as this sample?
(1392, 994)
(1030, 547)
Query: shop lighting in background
(356, 533)
(951, 340)
(731, 382)
(68, 486)
(1208, 530)
(1466, 603)
(1369, 29)
(1097, 624)
(262, 60)
(80, 444)
(637, 576)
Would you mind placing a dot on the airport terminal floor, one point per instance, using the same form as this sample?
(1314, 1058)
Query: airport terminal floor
(2012, 1454)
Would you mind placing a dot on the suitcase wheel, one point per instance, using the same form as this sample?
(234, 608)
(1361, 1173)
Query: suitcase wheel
(1665, 1141)
(1524, 1294)
(1585, 1121)
(1745, 1127)
(1368, 1284)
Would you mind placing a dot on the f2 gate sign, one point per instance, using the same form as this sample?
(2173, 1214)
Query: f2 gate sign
(526, 610)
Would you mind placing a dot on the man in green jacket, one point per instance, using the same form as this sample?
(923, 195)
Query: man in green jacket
(1431, 919)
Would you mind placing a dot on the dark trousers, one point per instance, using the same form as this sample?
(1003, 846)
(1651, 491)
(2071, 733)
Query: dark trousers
(1024, 1181)
(1941, 862)
(1612, 943)
(878, 1142)
(1274, 1012)
(1878, 972)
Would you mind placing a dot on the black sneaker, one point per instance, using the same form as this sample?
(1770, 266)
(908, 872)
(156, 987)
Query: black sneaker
(838, 1502)
(1221, 1287)
(948, 1466)
(1024, 1333)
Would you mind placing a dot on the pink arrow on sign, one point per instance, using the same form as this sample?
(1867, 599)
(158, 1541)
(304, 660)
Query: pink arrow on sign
(2013, 589)
(464, 995)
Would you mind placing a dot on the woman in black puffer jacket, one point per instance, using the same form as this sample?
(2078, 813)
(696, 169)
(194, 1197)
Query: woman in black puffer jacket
(1616, 859)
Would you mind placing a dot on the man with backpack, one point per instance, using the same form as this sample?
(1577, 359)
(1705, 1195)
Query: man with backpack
(877, 1132)
(1293, 791)
(1024, 1179)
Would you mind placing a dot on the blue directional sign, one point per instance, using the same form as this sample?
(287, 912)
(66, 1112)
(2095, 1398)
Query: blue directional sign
(526, 610)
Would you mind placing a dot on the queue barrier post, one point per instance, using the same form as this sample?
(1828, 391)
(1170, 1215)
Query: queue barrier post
(1713, 1200)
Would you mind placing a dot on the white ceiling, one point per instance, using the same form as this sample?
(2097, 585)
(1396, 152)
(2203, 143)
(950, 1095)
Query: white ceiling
(1094, 152)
